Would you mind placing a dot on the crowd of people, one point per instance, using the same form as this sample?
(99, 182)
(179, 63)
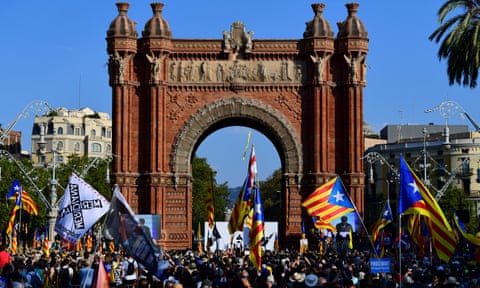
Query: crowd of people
(188, 268)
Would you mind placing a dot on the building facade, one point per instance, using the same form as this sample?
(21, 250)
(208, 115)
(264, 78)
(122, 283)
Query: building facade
(81, 132)
(440, 160)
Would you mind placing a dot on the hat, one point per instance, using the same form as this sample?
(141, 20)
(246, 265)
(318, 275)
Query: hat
(270, 279)
(452, 281)
(297, 277)
(311, 280)
(170, 279)
(206, 282)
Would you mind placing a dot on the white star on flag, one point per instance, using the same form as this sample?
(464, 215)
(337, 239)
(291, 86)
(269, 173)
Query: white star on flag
(339, 197)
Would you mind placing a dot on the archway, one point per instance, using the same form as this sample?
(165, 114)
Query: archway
(305, 95)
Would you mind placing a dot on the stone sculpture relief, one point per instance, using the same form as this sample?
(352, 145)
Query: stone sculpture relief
(239, 70)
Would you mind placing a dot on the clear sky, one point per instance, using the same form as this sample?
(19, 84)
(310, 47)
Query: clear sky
(55, 51)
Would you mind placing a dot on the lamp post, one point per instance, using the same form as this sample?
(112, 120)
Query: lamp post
(53, 209)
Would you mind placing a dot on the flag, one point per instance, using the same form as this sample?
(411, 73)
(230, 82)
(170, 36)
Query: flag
(320, 224)
(45, 245)
(209, 203)
(418, 232)
(111, 246)
(257, 232)
(101, 279)
(121, 226)
(415, 198)
(303, 240)
(383, 221)
(28, 204)
(242, 205)
(199, 239)
(276, 244)
(78, 245)
(11, 221)
(14, 242)
(15, 188)
(81, 207)
(329, 202)
(475, 240)
(35, 242)
(90, 241)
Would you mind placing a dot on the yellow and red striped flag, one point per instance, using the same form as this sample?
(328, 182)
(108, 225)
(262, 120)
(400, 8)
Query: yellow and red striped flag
(415, 198)
(111, 246)
(257, 232)
(28, 204)
(46, 247)
(89, 242)
(383, 221)
(329, 201)
(210, 205)
(242, 205)
(11, 221)
(199, 239)
(14, 242)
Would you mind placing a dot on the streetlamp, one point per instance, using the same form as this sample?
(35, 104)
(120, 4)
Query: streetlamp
(53, 209)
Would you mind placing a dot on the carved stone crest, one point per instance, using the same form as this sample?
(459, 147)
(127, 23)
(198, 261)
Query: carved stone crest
(238, 39)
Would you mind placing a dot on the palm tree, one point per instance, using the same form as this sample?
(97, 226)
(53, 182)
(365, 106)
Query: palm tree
(460, 44)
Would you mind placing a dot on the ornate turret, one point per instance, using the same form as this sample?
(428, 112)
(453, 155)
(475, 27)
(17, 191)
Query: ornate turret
(352, 26)
(319, 26)
(352, 41)
(157, 26)
(121, 45)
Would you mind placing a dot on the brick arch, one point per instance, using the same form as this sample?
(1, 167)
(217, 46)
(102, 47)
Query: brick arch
(222, 110)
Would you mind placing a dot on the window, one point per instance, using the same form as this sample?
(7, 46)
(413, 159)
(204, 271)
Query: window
(103, 131)
(96, 147)
(109, 132)
(77, 131)
(108, 148)
(93, 133)
(59, 145)
(60, 131)
(76, 147)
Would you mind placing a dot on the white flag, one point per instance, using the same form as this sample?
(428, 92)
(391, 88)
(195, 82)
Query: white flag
(81, 207)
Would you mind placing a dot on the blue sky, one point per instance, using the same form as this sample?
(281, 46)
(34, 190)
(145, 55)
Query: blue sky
(55, 51)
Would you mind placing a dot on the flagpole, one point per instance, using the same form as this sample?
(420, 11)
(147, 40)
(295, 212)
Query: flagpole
(400, 250)
(358, 214)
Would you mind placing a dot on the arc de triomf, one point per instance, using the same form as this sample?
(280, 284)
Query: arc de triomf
(168, 95)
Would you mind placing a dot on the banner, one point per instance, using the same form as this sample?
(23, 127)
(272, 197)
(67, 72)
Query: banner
(122, 227)
(81, 207)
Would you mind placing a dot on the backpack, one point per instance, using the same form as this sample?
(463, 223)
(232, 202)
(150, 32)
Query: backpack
(131, 268)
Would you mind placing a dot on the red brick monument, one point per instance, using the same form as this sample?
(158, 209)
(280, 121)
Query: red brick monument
(305, 95)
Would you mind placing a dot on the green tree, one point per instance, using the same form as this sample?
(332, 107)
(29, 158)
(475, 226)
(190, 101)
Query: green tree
(271, 196)
(204, 179)
(455, 199)
(460, 44)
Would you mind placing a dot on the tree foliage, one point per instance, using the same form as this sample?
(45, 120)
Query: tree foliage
(459, 37)
(204, 179)
(271, 196)
(36, 180)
